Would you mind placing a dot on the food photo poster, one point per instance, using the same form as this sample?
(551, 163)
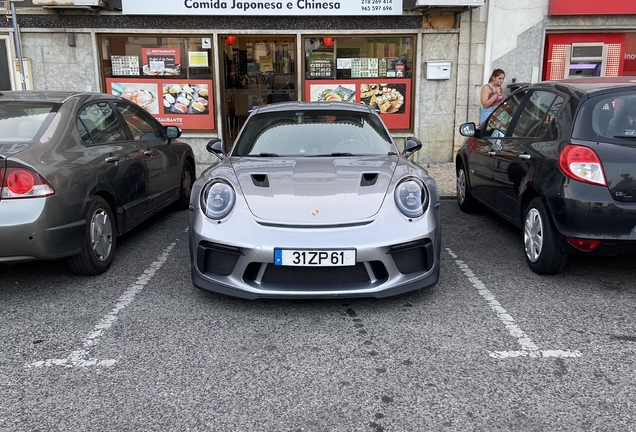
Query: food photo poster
(391, 98)
(177, 102)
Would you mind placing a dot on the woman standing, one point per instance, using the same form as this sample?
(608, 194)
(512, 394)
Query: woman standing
(491, 94)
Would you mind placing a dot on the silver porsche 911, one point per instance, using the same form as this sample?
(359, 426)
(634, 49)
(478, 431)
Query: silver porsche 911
(314, 200)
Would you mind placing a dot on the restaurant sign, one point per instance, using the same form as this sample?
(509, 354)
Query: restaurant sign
(263, 7)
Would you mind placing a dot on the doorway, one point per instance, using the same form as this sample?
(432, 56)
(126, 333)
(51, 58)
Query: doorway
(258, 70)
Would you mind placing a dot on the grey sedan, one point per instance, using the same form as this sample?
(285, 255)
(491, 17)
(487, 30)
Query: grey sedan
(79, 169)
(314, 200)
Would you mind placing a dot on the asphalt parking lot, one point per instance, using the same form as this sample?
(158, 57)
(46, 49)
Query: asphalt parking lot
(492, 346)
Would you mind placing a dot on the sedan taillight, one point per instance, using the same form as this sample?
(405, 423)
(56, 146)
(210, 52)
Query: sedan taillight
(582, 164)
(23, 183)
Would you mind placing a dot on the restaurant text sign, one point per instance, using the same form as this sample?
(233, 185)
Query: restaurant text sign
(263, 7)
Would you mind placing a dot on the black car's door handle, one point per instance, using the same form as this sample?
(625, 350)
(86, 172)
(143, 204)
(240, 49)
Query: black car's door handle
(492, 153)
(112, 159)
(524, 156)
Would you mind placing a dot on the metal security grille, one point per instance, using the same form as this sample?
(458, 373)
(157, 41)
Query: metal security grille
(558, 60)
(614, 59)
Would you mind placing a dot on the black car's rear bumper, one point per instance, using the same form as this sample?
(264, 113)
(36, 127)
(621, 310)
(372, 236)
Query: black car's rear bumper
(587, 211)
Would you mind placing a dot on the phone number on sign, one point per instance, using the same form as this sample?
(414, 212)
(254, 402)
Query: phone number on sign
(376, 5)
(376, 8)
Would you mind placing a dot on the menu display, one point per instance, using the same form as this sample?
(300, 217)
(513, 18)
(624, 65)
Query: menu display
(161, 61)
(389, 97)
(124, 65)
(183, 103)
(320, 65)
(185, 98)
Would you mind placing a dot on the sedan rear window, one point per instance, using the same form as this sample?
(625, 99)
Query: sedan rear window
(609, 118)
(313, 133)
(23, 121)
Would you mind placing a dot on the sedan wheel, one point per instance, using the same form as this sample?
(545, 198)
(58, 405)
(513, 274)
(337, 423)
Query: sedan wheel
(99, 243)
(543, 254)
(465, 199)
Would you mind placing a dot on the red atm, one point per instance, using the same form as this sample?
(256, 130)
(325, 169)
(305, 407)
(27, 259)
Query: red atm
(583, 55)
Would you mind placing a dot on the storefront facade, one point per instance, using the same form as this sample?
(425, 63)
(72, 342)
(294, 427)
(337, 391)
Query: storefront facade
(203, 65)
(203, 69)
(557, 39)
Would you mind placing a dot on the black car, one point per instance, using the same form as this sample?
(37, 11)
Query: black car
(558, 159)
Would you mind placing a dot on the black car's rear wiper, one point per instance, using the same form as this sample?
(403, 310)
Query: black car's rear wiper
(630, 137)
(267, 154)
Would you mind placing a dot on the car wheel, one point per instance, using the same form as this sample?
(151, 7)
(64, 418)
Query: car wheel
(99, 242)
(185, 190)
(464, 197)
(543, 254)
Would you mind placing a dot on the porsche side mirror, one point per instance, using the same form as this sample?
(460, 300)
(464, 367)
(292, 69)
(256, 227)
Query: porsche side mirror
(215, 147)
(411, 145)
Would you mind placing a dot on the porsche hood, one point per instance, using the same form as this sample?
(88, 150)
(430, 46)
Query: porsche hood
(315, 191)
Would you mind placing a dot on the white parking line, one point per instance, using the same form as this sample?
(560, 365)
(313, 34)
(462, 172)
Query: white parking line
(80, 357)
(528, 348)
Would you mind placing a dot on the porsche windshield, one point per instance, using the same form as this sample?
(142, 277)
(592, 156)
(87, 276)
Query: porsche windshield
(314, 133)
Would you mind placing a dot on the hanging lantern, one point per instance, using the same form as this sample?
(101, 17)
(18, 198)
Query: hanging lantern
(328, 41)
(230, 40)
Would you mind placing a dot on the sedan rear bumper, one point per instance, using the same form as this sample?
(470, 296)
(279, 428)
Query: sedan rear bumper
(26, 234)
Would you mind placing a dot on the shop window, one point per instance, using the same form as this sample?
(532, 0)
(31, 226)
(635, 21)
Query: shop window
(357, 69)
(258, 70)
(169, 77)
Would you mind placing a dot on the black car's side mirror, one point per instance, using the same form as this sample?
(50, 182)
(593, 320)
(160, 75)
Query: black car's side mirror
(172, 132)
(215, 147)
(467, 129)
(411, 145)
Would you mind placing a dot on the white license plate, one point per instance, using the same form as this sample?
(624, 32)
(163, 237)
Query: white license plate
(315, 258)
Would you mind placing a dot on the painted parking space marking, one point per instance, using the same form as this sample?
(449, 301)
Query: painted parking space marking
(81, 356)
(528, 347)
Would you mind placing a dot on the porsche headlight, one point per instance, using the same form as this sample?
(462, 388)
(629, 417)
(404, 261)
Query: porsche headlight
(411, 197)
(218, 199)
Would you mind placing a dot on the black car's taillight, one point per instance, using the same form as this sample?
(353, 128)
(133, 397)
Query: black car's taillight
(582, 163)
(23, 183)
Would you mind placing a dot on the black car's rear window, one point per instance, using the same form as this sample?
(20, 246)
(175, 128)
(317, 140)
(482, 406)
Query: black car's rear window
(608, 118)
(313, 133)
(22, 121)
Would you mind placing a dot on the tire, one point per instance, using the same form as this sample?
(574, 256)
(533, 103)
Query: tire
(465, 199)
(100, 240)
(185, 189)
(543, 254)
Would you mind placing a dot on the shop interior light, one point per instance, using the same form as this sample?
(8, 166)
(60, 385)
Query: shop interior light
(230, 40)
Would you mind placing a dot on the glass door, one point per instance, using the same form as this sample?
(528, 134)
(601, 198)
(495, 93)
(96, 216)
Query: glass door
(258, 70)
